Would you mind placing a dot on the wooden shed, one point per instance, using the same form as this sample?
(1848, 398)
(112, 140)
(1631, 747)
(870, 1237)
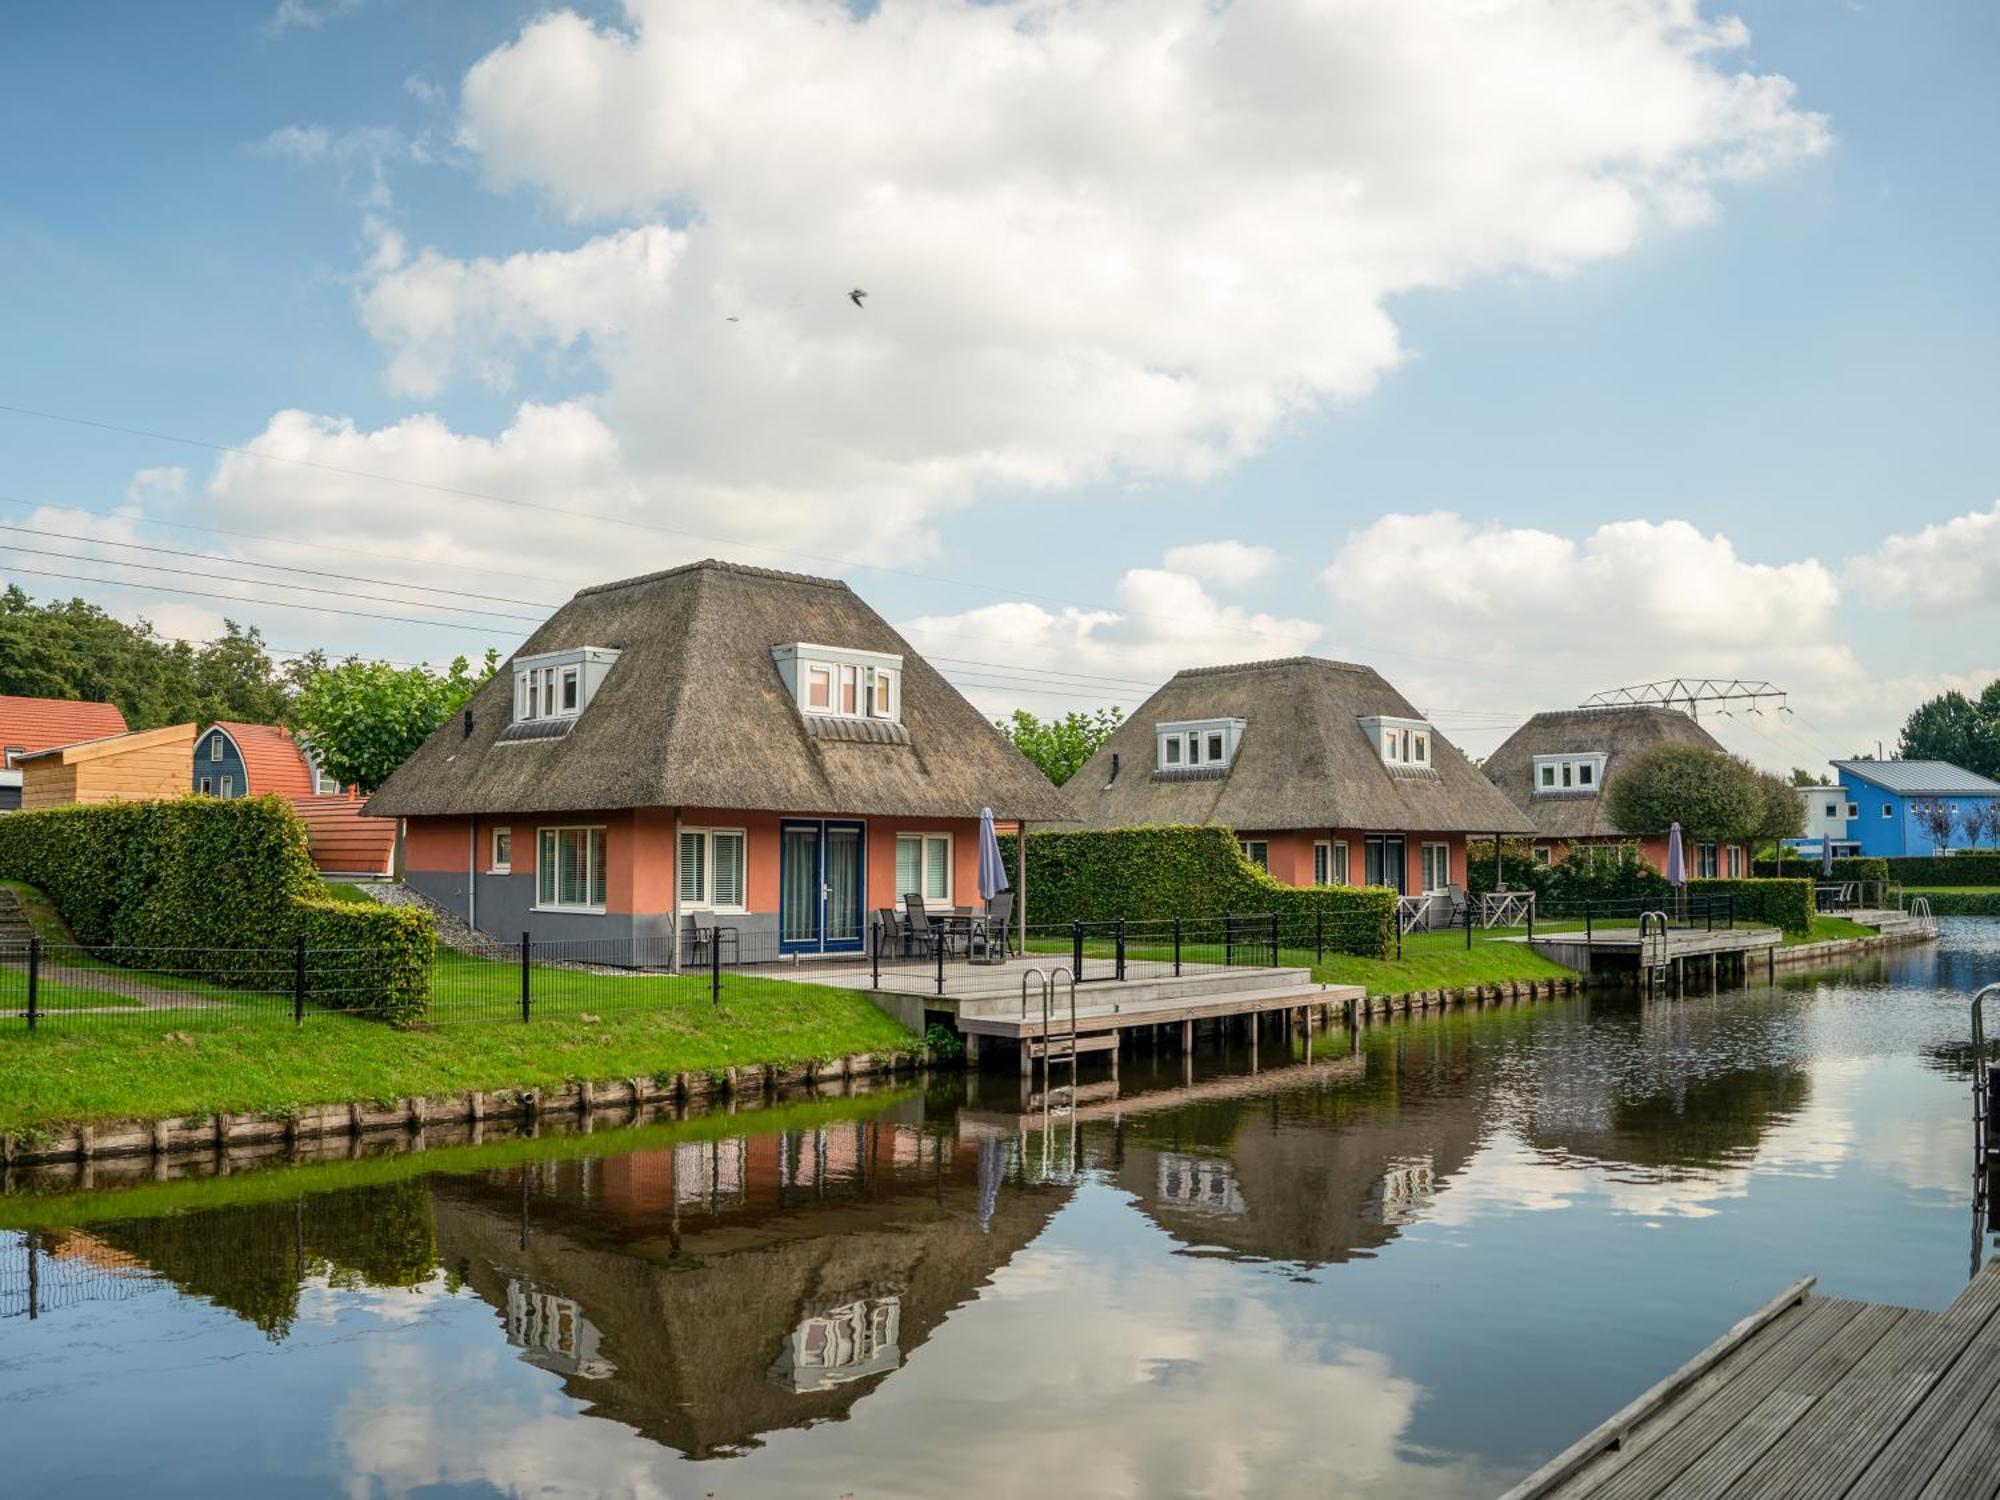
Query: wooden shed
(117, 768)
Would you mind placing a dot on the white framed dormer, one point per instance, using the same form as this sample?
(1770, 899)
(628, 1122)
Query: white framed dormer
(556, 686)
(1188, 744)
(1406, 744)
(842, 682)
(1576, 775)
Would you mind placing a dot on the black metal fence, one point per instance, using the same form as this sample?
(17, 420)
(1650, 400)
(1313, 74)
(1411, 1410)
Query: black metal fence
(68, 988)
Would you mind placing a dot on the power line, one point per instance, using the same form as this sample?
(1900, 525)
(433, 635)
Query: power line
(326, 609)
(424, 588)
(282, 541)
(302, 588)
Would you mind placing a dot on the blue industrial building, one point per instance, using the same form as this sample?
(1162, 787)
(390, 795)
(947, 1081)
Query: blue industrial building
(1884, 795)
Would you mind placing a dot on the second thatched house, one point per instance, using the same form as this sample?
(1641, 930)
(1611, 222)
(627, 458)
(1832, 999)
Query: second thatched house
(1558, 766)
(714, 747)
(1328, 775)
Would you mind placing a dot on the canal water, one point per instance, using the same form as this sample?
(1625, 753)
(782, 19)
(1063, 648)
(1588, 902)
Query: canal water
(1416, 1265)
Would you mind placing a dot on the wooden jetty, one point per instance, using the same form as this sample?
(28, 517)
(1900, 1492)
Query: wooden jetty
(1811, 1396)
(1667, 954)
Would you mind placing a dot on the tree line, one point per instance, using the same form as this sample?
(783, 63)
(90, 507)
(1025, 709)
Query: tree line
(363, 718)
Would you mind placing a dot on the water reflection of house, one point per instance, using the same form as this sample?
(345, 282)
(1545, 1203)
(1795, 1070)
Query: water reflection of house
(845, 1343)
(740, 1286)
(1315, 1170)
(553, 1332)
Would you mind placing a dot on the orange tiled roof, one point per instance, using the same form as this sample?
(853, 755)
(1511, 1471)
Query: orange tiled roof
(272, 760)
(32, 724)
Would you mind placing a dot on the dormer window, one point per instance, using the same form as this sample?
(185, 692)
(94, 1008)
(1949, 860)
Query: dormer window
(1403, 743)
(841, 682)
(558, 685)
(1580, 774)
(1196, 742)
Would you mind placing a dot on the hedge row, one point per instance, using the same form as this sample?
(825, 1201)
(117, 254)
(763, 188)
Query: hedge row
(1964, 903)
(1852, 867)
(1787, 904)
(216, 889)
(1158, 873)
(1950, 869)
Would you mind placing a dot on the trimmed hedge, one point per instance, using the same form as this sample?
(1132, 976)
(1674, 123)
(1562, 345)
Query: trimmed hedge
(215, 889)
(1787, 904)
(1158, 873)
(1952, 869)
(1963, 903)
(1853, 867)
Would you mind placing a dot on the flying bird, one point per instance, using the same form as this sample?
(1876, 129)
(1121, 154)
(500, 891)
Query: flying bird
(855, 296)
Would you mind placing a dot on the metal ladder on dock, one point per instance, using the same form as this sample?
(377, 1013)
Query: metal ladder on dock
(1653, 949)
(1920, 913)
(1047, 1048)
(1985, 1087)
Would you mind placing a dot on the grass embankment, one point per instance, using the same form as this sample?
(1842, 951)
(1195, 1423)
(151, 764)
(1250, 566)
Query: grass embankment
(1826, 929)
(244, 1054)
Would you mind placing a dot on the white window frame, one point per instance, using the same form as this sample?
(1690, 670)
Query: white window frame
(881, 693)
(550, 835)
(215, 746)
(1196, 742)
(228, 788)
(495, 863)
(1544, 854)
(1734, 862)
(1853, 810)
(1261, 861)
(924, 840)
(1170, 751)
(808, 672)
(1329, 862)
(704, 871)
(1888, 809)
(208, 786)
(1582, 772)
(1428, 851)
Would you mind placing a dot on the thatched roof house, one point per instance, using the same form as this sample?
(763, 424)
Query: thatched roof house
(694, 711)
(714, 745)
(1293, 753)
(1556, 767)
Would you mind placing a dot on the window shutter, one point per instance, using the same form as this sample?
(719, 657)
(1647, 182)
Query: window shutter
(728, 869)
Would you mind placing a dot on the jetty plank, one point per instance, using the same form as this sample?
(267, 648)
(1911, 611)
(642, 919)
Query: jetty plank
(1822, 1397)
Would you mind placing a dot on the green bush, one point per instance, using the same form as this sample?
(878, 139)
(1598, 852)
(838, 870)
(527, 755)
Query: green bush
(1158, 873)
(1950, 869)
(216, 889)
(1963, 903)
(1780, 903)
(1590, 872)
(1853, 867)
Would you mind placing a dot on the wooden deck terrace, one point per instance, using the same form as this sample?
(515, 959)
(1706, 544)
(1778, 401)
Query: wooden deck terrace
(1811, 1396)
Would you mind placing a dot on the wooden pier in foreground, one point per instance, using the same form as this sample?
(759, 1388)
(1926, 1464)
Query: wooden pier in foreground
(1811, 1396)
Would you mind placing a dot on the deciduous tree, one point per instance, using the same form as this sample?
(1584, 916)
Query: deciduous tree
(365, 718)
(1710, 794)
(1060, 746)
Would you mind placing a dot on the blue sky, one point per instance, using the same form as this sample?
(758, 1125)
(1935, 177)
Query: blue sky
(211, 215)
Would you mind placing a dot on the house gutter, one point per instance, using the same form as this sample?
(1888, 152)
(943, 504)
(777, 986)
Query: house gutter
(472, 872)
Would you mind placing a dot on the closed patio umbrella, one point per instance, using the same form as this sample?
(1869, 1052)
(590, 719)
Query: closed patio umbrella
(1826, 857)
(992, 869)
(1677, 875)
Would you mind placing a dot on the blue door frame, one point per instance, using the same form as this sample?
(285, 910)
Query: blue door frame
(792, 937)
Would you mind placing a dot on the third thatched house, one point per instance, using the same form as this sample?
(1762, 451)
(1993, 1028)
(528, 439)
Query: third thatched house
(1328, 775)
(1557, 767)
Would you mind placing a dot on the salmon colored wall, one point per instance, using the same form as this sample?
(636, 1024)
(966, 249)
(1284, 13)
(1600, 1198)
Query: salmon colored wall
(639, 852)
(1292, 854)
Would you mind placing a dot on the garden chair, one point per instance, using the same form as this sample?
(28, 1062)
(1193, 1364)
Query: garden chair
(992, 926)
(891, 943)
(926, 937)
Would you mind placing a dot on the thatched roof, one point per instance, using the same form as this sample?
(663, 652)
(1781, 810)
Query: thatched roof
(1618, 733)
(694, 714)
(1304, 760)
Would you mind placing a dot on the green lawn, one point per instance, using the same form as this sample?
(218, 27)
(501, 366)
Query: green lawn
(1430, 961)
(241, 1052)
(341, 890)
(1827, 928)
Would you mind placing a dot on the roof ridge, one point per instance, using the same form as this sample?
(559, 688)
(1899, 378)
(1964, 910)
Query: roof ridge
(1276, 661)
(714, 565)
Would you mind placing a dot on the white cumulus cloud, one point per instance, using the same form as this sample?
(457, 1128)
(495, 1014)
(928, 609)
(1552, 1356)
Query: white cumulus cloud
(1950, 565)
(1231, 563)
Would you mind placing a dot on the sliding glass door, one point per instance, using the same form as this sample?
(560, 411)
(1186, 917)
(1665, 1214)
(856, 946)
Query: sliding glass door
(821, 887)
(1386, 863)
